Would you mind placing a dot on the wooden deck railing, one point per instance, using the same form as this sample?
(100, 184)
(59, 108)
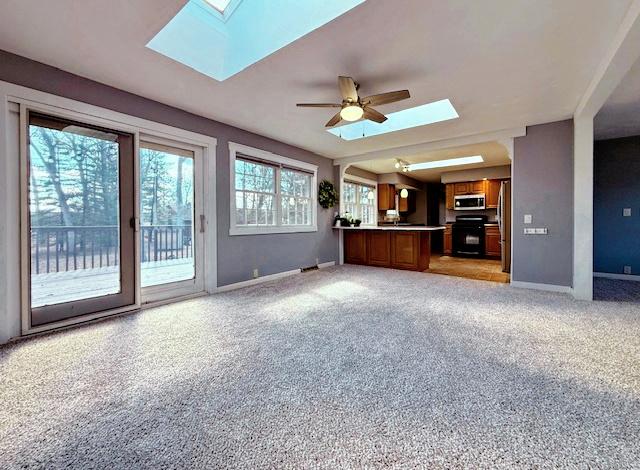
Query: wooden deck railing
(59, 248)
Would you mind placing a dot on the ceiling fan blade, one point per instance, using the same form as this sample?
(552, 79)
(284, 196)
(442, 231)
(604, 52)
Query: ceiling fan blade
(348, 89)
(385, 98)
(334, 120)
(319, 105)
(373, 115)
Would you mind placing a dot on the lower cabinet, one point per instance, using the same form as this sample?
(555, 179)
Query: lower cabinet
(448, 240)
(405, 250)
(492, 241)
(379, 248)
(387, 248)
(355, 247)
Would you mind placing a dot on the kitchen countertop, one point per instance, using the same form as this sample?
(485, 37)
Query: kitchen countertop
(403, 228)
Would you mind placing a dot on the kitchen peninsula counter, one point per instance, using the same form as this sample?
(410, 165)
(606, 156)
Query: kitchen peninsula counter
(400, 247)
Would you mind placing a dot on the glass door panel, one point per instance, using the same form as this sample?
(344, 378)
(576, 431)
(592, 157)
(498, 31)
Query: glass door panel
(81, 242)
(168, 240)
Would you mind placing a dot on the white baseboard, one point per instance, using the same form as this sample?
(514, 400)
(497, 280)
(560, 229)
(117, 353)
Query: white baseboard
(327, 264)
(624, 277)
(538, 286)
(269, 277)
(258, 280)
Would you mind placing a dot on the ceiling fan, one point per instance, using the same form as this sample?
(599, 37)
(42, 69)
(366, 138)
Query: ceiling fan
(353, 107)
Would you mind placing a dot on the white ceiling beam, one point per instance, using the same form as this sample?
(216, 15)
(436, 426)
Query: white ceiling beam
(620, 57)
(409, 150)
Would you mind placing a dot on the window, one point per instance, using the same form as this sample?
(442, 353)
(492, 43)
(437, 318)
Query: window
(360, 201)
(270, 193)
(296, 197)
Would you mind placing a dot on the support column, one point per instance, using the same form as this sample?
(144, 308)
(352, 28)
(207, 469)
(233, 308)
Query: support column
(583, 208)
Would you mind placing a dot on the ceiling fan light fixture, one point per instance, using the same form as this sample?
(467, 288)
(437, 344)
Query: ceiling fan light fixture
(351, 113)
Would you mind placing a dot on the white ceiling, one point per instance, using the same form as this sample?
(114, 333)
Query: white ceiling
(493, 153)
(620, 115)
(502, 63)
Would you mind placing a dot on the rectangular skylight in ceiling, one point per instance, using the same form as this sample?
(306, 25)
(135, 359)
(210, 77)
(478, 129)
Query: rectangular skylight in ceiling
(422, 115)
(445, 163)
(234, 34)
(219, 5)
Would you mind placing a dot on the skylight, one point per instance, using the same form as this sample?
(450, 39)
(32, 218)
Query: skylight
(445, 163)
(224, 40)
(422, 115)
(219, 5)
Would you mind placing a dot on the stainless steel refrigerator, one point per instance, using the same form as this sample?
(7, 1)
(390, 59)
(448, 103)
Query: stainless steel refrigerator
(504, 224)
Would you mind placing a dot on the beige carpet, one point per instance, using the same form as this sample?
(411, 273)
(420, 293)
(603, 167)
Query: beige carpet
(349, 367)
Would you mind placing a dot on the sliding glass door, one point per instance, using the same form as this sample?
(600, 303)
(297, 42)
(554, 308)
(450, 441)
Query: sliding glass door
(171, 239)
(81, 202)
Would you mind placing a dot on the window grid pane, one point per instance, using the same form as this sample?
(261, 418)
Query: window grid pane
(257, 194)
(357, 202)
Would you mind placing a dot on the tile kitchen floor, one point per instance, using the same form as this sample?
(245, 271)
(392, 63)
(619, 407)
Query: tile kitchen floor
(481, 269)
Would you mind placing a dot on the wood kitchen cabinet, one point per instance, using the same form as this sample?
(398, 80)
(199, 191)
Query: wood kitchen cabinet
(355, 247)
(386, 197)
(450, 190)
(478, 187)
(460, 189)
(379, 248)
(405, 250)
(448, 240)
(493, 191)
(492, 241)
(389, 248)
(407, 204)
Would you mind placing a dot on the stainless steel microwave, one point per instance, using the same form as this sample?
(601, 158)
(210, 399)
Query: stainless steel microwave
(469, 202)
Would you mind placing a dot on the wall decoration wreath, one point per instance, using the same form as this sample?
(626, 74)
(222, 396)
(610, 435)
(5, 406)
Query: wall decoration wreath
(327, 194)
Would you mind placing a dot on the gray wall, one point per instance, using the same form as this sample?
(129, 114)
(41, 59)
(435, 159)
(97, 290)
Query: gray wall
(543, 187)
(616, 186)
(237, 255)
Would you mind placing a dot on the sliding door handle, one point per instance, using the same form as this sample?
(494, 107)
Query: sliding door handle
(203, 222)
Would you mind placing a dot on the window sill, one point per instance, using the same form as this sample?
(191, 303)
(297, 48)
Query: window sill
(233, 231)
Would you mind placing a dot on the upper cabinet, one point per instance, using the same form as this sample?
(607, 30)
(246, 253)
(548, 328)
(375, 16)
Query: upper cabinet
(407, 204)
(478, 187)
(490, 188)
(450, 193)
(386, 197)
(493, 190)
(461, 188)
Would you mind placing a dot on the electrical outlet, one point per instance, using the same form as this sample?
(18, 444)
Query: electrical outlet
(627, 269)
(255, 273)
(528, 218)
(626, 212)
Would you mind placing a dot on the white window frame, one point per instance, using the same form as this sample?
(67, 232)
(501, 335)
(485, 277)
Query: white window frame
(278, 160)
(366, 182)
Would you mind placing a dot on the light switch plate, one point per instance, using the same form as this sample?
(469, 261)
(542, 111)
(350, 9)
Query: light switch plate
(626, 212)
(541, 231)
(528, 218)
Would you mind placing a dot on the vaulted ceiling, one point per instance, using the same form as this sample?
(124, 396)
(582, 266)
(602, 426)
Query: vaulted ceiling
(501, 63)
